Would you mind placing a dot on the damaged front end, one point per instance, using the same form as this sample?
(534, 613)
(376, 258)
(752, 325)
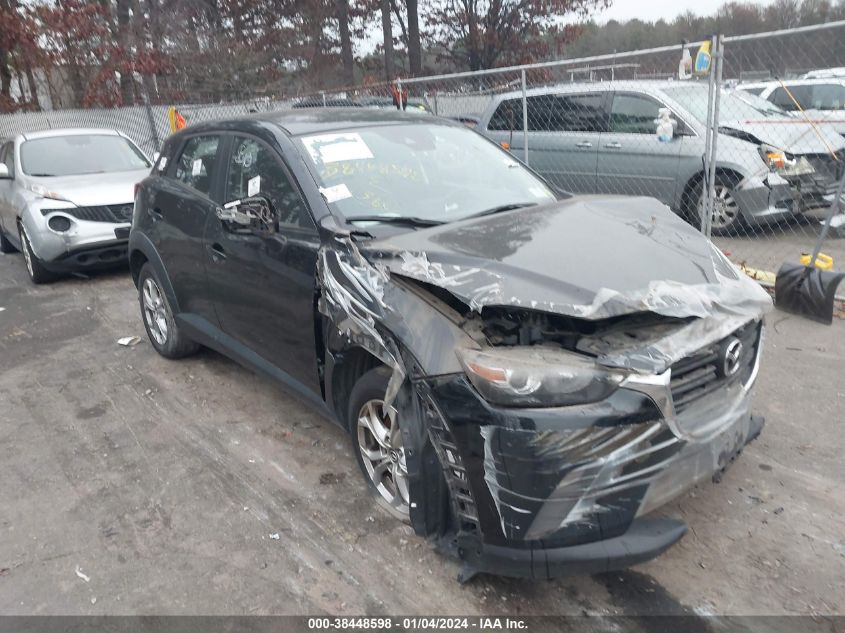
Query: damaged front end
(556, 418)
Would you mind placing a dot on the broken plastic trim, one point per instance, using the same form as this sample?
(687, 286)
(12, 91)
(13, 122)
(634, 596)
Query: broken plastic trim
(352, 297)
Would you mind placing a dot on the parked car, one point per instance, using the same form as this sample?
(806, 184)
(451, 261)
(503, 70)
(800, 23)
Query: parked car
(825, 73)
(600, 138)
(822, 99)
(525, 379)
(66, 198)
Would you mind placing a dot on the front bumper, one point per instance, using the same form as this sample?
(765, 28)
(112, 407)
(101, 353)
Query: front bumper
(85, 245)
(548, 492)
(770, 198)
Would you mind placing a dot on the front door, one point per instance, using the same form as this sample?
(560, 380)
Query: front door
(263, 282)
(631, 159)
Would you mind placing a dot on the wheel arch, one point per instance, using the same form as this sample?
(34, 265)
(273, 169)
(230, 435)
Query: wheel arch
(697, 178)
(143, 251)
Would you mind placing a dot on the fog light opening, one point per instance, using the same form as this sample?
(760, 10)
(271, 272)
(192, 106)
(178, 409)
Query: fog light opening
(59, 223)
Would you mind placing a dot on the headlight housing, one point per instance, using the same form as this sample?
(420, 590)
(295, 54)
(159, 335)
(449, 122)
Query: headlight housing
(41, 190)
(782, 164)
(537, 376)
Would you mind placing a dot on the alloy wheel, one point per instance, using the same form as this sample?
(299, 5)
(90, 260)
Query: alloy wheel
(725, 209)
(155, 313)
(383, 455)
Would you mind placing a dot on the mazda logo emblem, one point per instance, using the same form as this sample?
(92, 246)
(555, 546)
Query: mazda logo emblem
(733, 354)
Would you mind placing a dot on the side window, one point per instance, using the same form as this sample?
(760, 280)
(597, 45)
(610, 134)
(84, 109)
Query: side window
(828, 97)
(195, 166)
(7, 156)
(633, 114)
(577, 113)
(803, 94)
(508, 116)
(254, 168)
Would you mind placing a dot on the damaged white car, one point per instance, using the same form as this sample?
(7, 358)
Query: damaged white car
(66, 198)
(526, 377)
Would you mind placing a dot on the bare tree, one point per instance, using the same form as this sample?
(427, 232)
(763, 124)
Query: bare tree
(387, 32)
(345, 42)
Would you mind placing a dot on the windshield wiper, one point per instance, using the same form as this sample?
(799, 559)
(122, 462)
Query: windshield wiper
(407, 220)
(501, 209)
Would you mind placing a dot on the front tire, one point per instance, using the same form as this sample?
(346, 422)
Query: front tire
(37, 273)
(164, 334)
(726, 218)
(377, 442)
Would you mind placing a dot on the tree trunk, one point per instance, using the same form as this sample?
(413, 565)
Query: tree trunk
(345, 42)
(387, 30)
(5, 75)
(33, 85)
(414, 48)
(124, 54)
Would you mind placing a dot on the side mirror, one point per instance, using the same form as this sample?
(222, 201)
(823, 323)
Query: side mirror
(249, 215)
(156, 156)
(4, 172)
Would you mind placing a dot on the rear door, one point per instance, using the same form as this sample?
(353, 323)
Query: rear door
(263, 282)
(7, 221)
(181, 203)
(631, 159)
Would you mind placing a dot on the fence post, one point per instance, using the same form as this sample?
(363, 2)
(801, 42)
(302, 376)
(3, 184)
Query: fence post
(705, 209)
(399, 90)
(524, 120)
(151, 120)
(716, 75)
(436, 113)
(323, 94)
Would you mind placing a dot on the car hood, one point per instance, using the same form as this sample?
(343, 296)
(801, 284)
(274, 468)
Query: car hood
(96, 189)
(590, 257)
(789, 134)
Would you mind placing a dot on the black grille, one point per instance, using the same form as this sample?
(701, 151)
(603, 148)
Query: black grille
(702, 373)
(115, 213)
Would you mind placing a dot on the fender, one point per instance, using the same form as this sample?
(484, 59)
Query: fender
(140, 243)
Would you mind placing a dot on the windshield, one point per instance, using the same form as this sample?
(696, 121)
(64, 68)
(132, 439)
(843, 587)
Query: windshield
(433, 172)
(733, 105)
(80, 154)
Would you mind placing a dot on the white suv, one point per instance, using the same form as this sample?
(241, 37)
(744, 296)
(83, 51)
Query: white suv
(821, 99)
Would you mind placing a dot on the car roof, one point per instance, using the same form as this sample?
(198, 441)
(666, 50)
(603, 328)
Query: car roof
(70, 131)
(301, 121)
(651, 85)
(794, 82)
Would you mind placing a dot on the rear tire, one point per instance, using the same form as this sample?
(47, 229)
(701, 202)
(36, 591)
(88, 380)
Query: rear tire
(377, 442)
(5, 245)
(37, 273)
(164, 334)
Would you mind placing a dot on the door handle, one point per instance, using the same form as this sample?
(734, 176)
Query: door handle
(155, 214)
(584, 145)
(613, 145)
(218, 254)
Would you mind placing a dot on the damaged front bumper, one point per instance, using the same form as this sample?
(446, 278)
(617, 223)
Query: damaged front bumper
(549, 492)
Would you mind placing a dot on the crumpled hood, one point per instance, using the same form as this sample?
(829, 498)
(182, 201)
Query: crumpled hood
(590, 257)
(793, 135)
(96, 189)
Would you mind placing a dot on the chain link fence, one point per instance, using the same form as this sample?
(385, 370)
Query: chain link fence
(748, 146)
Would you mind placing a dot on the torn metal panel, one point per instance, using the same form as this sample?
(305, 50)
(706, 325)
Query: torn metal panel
(623, 259)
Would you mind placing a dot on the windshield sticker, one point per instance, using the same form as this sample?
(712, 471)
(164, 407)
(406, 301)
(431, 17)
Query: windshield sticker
(196, 168)
(334, 148)
(253, 186)
(338, 192)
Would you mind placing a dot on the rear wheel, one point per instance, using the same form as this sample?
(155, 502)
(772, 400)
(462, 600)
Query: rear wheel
(377, 442)
(37, 273)
(165, 335)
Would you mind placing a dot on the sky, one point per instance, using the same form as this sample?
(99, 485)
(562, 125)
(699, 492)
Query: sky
(651, 10)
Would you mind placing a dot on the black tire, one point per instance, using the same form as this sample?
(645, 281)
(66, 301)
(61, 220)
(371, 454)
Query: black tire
(371, 389)
(37, 273)
(731, 220)
(156, 313)
(5, 245)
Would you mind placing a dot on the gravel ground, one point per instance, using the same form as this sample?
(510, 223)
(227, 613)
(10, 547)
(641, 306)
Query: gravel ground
(130, 484)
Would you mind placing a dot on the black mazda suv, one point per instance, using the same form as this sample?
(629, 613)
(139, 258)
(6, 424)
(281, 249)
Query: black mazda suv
(526, 376)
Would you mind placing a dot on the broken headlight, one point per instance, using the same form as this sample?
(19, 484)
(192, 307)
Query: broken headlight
(782, 164)
(537, 376)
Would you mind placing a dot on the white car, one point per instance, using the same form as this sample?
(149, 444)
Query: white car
(66, 198)
(823, 99)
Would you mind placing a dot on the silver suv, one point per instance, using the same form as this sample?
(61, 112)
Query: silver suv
(601, 138)
(66, 198)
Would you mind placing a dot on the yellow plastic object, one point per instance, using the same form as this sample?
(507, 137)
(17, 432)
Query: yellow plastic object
(176, 120)
(824, 262)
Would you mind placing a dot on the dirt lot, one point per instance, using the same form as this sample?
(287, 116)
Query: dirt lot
(132, 484)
